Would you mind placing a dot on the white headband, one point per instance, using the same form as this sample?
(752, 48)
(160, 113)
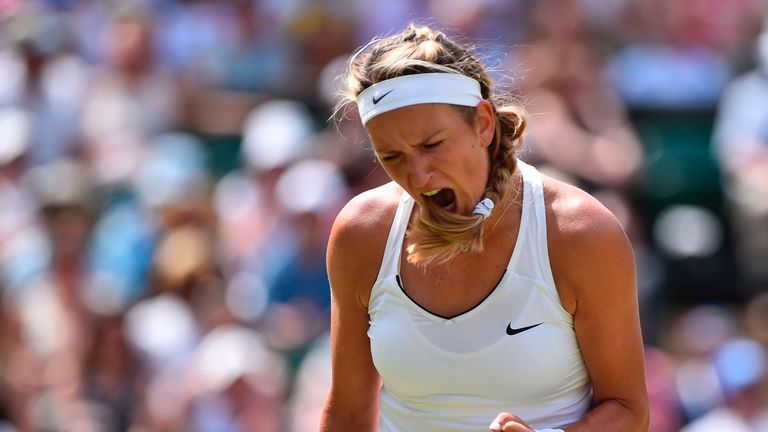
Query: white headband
(450, 88)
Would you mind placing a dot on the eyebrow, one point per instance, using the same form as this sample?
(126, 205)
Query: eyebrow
(425, 141)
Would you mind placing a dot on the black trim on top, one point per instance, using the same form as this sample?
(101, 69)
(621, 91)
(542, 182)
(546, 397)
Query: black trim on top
(400, 284)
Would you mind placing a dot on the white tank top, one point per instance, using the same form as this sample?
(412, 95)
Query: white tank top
(515, 351)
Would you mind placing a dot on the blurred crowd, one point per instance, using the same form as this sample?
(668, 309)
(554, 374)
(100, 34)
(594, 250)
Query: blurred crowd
(170, 169)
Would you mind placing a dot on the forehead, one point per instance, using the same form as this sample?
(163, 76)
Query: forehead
(414, 123)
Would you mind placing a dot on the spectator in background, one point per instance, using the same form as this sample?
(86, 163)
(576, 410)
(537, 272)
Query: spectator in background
(46, 78)
(313, 379)
(664, 403)
(581, 128)
(18, 206)
(667, 61)
(740, 143)
(238, 382)
(694, 339)
(130, 98)
(49, 310)
(310, 193)
(113, 380)
(742, 372)
(275, 134)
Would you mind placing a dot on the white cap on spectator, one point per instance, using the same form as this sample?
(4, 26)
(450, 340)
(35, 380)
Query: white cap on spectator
(162, 328)
(310, 186)
(741, 363)
(276, 133)
(231, 352)
(174, 170)
(63, 182)
(15, 133)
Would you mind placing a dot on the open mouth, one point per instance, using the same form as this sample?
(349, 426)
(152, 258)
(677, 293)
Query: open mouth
(443, 198)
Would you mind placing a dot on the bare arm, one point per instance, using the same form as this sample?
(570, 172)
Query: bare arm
(352, 403)
(594, 260)
(594, 270)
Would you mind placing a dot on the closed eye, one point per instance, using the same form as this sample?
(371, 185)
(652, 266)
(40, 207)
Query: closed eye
(389, 157)
(432, 145)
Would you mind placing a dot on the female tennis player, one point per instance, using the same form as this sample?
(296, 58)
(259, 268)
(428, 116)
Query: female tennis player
(472, 292)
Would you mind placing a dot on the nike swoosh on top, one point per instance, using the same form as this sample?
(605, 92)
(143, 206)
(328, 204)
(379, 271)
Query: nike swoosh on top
(512, 332)
(378, 99)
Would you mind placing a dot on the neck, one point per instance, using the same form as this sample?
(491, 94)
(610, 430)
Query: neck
(511, 198)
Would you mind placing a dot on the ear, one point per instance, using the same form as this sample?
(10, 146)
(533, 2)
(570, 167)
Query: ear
(485, 122)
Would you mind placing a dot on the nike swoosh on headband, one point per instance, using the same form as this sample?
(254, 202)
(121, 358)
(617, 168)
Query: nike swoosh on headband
(378, 99)
(448, 88)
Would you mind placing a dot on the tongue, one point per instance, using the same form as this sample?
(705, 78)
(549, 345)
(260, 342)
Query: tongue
(445, 198)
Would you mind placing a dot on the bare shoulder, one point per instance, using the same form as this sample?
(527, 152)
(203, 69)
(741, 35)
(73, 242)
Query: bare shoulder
(577, 216)
(586, 242)
(368, 210)
(358, 237)
(366, 217)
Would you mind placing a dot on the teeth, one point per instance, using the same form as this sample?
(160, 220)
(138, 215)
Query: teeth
(432, 192)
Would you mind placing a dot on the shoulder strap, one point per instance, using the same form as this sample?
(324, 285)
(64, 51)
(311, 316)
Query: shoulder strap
(390, 264)
(537, 222)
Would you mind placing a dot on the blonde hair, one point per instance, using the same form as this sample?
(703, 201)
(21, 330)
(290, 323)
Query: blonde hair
(438, 235)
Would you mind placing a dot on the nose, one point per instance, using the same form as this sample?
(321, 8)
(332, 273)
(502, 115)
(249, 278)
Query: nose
(420, 172)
